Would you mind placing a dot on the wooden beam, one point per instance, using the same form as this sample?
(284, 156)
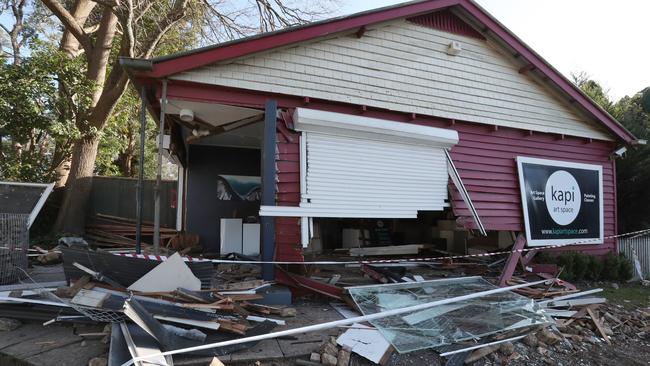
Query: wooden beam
(526, 68)
(360, 32)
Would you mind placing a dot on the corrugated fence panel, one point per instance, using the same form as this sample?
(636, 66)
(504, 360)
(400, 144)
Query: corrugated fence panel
(116, 196)
(640, 245)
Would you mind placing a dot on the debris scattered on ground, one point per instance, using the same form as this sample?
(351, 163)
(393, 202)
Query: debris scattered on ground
(150, 306)
(7, 324)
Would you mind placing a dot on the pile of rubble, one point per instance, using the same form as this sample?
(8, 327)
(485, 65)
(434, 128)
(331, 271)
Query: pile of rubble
(166, 308)
(177, 303)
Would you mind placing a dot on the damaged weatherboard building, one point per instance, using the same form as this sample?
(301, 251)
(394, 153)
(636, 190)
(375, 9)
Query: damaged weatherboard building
(422, 126)
(400, 163)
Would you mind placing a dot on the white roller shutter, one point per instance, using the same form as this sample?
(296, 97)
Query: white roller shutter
(355, 166)
(373, 177)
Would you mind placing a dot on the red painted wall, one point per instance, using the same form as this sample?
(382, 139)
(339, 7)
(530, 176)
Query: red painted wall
(287, 164)
(484, 157)
(485, 160)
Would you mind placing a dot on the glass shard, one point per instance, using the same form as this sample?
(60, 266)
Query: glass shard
(443, 325)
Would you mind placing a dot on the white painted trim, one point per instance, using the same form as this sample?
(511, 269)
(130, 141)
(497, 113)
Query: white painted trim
(293, 211)
(313, 120)
(524, 203)
(458, 182)
(304, 231)
(303, 165)
(180, 188)
(48, 188)
(304, 228)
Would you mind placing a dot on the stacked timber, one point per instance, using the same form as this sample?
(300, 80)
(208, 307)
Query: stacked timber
(114, 231)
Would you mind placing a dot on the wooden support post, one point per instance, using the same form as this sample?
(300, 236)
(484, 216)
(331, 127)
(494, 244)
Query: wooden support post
(512, 261)
(268, 187)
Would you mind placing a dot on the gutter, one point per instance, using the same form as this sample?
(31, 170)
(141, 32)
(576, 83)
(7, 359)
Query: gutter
(136, 64)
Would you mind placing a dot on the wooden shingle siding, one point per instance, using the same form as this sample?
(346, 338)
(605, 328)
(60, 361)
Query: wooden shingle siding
(402, 66)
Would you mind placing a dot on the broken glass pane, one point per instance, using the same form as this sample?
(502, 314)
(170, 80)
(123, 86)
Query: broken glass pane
(445, 324)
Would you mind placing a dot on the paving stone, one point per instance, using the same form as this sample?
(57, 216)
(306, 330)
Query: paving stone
(314, 357)
(343, 358)
(98, 361)
(69, 355)
(328, 359)
(264, 350)
(8, 324)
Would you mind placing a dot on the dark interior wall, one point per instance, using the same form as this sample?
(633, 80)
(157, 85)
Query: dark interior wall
(203, 209)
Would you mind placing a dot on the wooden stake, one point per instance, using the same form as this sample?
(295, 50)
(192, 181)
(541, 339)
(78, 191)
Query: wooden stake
(599, 326)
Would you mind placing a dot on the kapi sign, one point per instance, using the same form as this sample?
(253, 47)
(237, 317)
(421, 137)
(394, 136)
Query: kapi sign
(562, 201)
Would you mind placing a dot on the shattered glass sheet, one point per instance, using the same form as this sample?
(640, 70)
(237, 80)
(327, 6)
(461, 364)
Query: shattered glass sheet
(445, 324)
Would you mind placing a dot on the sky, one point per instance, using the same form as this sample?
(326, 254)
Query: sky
(607, 40)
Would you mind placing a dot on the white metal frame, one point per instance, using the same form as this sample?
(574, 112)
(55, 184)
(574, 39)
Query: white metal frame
(180, 194)
(561, 164)
(314, 120)
(331, 123)
(47, 189)
(458, 182)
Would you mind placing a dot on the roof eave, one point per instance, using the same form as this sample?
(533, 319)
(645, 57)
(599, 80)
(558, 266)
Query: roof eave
(168, 65)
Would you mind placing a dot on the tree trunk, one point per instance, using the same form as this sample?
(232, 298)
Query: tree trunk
(62, 170)
(72, 213)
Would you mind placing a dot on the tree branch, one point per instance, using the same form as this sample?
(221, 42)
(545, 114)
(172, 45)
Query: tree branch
(5, 29)
(70, 24)
(108, 3)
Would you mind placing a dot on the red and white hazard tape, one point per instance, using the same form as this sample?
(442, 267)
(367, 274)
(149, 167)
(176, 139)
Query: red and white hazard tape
(401, 260)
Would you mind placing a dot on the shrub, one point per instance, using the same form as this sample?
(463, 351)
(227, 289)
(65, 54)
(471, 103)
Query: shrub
(594, 269)
(610, 268)
(578, 266)
(625, 268)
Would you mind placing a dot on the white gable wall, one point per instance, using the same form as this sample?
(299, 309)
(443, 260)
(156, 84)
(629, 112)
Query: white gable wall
(404, 67)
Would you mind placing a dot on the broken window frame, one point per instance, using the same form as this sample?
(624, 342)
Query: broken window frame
(47, 189)
(404, 336)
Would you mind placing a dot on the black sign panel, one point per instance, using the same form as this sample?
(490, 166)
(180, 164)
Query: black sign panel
(562, 201)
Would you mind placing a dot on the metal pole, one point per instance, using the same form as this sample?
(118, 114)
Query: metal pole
(140, 193)
(156, 191)
(337, 323)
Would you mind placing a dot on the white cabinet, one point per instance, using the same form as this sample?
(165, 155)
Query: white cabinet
(251, 239)
(231, 236)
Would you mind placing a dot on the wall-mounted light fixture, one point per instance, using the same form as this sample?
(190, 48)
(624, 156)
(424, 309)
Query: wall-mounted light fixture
(186, 115)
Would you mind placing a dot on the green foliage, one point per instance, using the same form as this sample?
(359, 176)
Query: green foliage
(36, 112)
(633, 170)
(645, 100)
(119, 147)
(579, 266)
(595, 91)
(625, 268)
(594, 269)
